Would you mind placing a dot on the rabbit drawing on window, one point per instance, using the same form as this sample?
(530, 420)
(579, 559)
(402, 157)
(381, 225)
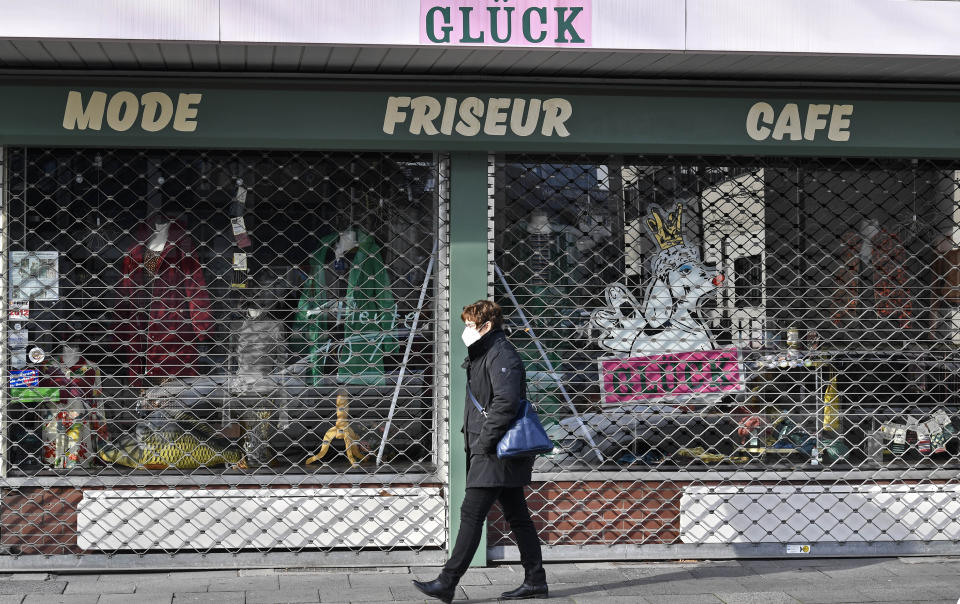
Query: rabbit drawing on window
(667, 322)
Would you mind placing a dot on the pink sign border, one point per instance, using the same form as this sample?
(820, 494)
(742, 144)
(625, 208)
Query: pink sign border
(584, 22)
(740, 386)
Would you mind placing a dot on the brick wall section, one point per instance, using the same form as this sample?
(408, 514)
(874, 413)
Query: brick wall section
(599, 513)
(40, 520)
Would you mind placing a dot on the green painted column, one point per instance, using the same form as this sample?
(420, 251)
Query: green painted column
(468, 283)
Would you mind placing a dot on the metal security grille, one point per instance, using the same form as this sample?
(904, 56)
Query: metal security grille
(735, 351)
(216, 351)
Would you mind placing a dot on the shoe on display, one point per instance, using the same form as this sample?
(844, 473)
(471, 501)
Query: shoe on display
(438, 588)
(526, 592)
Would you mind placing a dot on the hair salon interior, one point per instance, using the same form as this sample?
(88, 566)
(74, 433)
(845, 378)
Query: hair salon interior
(237, 237)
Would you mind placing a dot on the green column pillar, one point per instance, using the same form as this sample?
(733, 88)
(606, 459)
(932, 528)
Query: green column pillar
(468, 283)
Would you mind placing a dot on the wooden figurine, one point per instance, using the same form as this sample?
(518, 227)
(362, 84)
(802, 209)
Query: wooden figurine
(341, 431)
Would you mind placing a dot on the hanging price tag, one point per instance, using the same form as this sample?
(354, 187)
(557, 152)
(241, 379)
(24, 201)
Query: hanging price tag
(240, 268)
(940, 416)
(240, 231)
(240, 261)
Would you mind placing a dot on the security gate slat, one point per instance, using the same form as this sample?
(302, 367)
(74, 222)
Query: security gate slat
(714, 341)
(222, 352)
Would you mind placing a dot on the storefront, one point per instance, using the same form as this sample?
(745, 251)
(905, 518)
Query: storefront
(230, 306)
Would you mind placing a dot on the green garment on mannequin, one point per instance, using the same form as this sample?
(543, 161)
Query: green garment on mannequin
(369, 314)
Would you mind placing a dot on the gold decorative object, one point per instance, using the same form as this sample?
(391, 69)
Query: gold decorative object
(341, 431)
(668, 230)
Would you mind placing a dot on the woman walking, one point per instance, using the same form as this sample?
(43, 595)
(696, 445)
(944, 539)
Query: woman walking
(496, 378)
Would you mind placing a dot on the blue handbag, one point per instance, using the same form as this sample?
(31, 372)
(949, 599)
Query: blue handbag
(525, 436)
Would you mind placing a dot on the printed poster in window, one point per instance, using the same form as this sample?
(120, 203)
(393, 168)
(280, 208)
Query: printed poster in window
(34, 276)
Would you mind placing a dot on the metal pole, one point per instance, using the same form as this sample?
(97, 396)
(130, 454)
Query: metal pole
(5, 312)
(406, 353)
(546, 359)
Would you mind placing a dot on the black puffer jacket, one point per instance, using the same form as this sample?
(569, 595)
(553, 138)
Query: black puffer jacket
(496, 376)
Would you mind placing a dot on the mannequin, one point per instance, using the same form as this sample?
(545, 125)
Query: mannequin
(259, 344)
(947, 286)
(541, 235)
(337, 271)
(539, 223)
(346, 243)
(70, 355)
(869, 228)
(873, 285)
(164, 307)
(161, 233)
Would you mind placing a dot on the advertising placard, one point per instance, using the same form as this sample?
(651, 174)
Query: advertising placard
(664, 376)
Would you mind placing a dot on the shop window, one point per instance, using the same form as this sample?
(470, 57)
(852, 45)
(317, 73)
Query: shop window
(221, 312)
(727, 313)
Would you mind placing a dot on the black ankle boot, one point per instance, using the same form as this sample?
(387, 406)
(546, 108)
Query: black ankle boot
(439, 588)
(526, 592)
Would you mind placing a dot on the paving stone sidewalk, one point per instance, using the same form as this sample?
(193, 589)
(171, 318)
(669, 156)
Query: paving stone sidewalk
(810, 581)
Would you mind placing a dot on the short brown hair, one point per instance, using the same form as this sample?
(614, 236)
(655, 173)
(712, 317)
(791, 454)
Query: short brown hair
(482, 311)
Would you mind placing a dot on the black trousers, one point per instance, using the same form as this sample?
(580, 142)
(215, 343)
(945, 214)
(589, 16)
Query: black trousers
(473, 513)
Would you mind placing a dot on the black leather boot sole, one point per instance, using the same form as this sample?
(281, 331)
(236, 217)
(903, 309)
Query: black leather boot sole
(526, 592)
(436, 589)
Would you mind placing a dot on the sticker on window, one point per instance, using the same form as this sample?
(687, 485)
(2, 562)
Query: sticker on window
(24, 378)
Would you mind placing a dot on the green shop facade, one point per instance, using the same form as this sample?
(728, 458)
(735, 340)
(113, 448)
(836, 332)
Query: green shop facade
(233, 317)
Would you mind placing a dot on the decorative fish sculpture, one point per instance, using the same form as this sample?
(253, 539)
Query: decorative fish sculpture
(162, 450)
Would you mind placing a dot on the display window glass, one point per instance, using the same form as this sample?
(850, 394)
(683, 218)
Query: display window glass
(703, 314)
(224, 312)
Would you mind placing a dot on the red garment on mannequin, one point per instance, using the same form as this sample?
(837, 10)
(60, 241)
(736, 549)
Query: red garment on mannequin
(888, 259)
(162, 314)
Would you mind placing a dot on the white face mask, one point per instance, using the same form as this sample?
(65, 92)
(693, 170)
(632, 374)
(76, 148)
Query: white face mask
(470, 336)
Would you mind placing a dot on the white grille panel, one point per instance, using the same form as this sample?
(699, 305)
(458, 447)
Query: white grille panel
(261, 518)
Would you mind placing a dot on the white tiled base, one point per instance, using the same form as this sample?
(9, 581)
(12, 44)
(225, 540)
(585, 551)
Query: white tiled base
(171, 519)
(811, 513)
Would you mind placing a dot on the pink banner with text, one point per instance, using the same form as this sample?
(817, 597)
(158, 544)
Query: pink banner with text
(546, 23)
(670, 375)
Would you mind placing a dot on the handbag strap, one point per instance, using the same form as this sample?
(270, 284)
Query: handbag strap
(482, 411)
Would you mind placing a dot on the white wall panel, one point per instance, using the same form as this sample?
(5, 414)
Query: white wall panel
(353, 22)
(885, 27)
(111, 19)
(639, 24)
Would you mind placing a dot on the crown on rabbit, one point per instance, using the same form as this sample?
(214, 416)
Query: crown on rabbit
(666, 231)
